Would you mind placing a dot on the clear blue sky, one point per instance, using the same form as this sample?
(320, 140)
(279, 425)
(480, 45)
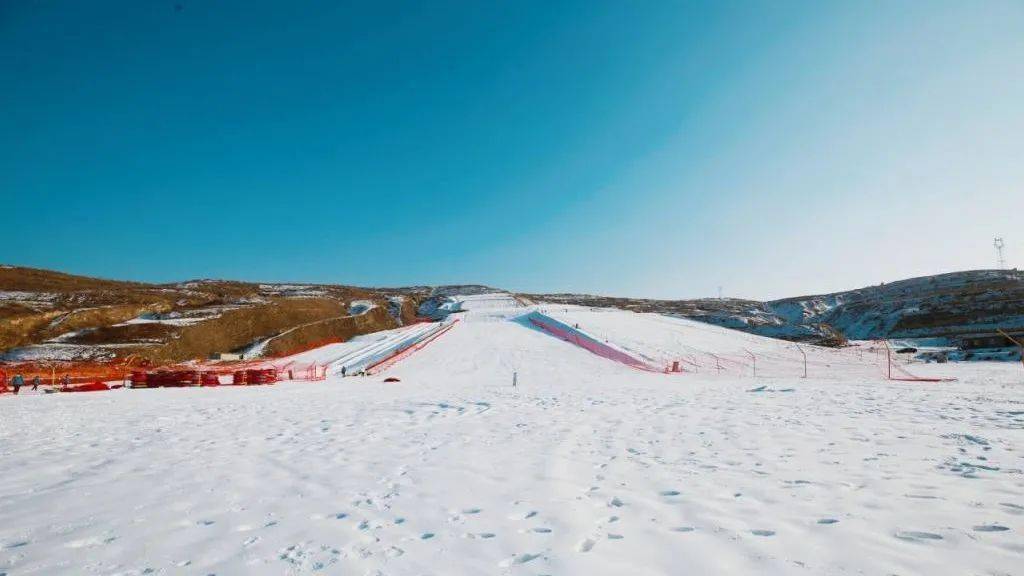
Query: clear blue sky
(636, 148)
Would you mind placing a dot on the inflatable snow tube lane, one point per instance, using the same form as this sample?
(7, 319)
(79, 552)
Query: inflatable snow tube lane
(573, 336)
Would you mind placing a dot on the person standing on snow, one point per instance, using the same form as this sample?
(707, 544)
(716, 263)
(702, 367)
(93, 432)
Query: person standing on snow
(35, 383)
(65, 381)
(17, 382)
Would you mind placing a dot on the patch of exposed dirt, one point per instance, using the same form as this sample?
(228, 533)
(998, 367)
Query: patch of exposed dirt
(331, 330)
(236, 328)
(187, 320)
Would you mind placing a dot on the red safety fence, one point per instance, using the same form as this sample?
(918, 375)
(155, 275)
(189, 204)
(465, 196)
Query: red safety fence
(55, 373)
(403, 353)
(247, 374)
(573, 336)
(239, 377)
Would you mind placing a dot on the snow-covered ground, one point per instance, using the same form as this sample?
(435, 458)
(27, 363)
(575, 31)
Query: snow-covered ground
(588, 466)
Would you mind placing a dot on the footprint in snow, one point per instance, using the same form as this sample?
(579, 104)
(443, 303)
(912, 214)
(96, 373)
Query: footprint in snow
(914, 535)
(990, 528)
(518, 559)
(586, 545)
(426, 536)
(1013, 508)
(523, 515)
(763, 532)
(682, 529)
(669, 493)
(827, 521)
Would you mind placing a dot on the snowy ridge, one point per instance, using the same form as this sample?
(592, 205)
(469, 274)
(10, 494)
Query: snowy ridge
(945, 305)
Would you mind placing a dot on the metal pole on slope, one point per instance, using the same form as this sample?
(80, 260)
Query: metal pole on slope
(1015, 341)
(718, 365)
(754, 359)
(888, 358)
(805, 359)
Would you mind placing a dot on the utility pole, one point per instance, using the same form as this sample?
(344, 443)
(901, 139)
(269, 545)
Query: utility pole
(1015, 341)
(888, 359)
(719, 292)
(718, 365)
(999, 244)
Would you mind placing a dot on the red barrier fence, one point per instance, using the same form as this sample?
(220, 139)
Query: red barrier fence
(84, 376)
(572, 336)
(406, 352)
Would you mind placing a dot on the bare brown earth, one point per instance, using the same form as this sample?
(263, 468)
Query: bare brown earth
(330, 330)
(186, 320)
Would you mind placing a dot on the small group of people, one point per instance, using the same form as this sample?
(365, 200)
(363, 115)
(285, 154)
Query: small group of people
(18, 382)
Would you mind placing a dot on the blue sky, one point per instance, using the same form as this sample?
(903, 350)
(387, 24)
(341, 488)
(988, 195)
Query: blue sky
(655, 149)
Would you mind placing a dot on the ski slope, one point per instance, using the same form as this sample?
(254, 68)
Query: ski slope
(715, 351)
(587, 466)
(363, 351)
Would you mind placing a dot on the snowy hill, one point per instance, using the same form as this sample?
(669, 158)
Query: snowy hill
(931, 306)
(944, 305)
(46, 316)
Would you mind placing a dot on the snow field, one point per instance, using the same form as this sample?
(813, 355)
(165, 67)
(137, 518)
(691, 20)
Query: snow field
(587, 467)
